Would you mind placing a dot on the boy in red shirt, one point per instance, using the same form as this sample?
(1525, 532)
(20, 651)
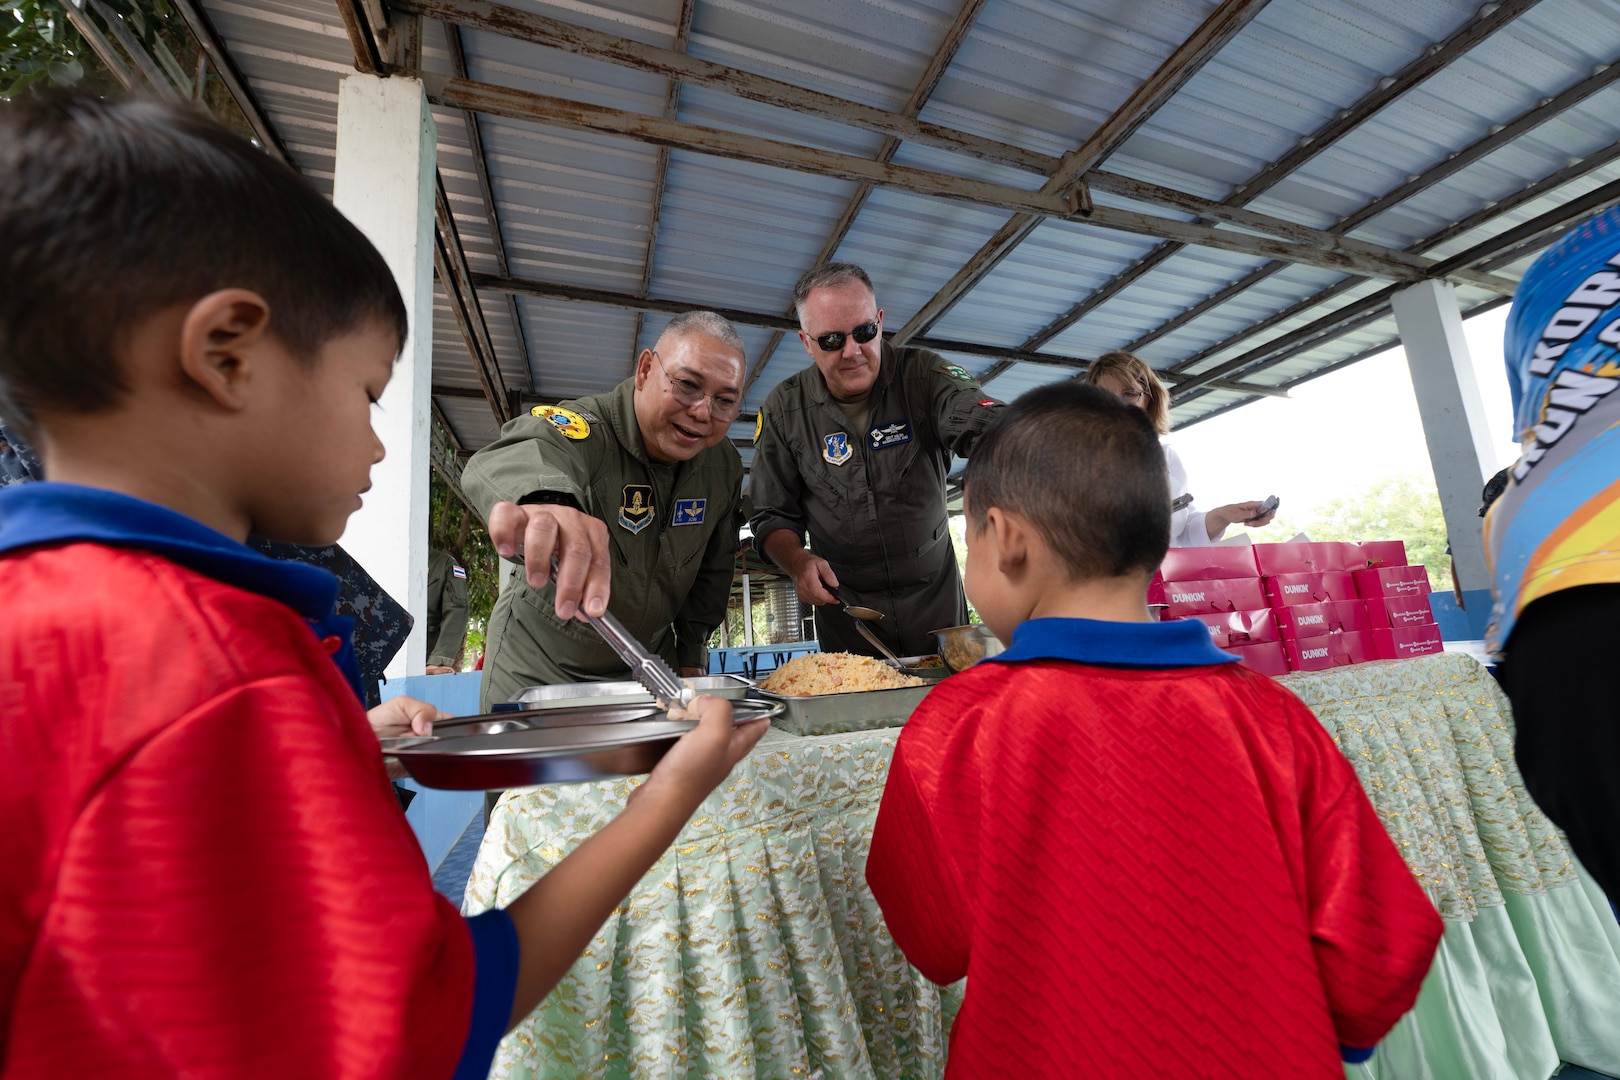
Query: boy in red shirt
(206, 874)
(1146, 859)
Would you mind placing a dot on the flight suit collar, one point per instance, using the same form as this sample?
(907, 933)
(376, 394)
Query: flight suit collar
(621, 415)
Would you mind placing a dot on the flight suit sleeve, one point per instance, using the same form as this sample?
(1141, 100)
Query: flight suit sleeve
(960, 407)
(705, 605)
(774, 481)
(532, 454)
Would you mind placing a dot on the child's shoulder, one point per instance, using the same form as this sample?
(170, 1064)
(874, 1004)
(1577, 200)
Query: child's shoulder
(135, 607)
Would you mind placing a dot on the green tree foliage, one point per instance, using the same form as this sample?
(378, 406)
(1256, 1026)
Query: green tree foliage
(457, 531)
(38, 46)
(1401, 507)
(43, 48)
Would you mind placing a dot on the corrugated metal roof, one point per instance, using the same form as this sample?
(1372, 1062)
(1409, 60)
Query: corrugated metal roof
(577, 209)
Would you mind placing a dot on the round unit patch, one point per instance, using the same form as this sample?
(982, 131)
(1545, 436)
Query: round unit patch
(571, 424)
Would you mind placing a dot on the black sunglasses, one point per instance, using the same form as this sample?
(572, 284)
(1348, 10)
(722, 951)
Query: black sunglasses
(834, 341)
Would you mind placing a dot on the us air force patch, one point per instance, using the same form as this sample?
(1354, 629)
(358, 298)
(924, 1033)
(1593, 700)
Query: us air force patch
(836, 449)
(689, 511)
(891, 434)
(569, 423)
(954, 371)
(636, 507)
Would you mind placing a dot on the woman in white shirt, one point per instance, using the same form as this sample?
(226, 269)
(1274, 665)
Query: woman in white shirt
(1128, 376)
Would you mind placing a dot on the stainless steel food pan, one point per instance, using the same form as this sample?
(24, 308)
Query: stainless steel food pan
(826, 714)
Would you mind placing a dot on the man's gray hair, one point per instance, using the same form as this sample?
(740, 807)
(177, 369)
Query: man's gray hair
(704, 322)
(827, 276)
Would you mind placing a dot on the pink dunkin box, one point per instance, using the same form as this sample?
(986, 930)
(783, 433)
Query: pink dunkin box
(1206, 563)
(1212, 597)
(1285, 590)
(1386, 611)
(1303, 558)
(1330, 650)
(1392, 581)
(1155, 591)
(1375, 553)
(1402, 642)
(1308, 620)
(1266, 657)
(1234, 628)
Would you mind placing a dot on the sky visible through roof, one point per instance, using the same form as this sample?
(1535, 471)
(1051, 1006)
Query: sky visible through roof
(1339, 434)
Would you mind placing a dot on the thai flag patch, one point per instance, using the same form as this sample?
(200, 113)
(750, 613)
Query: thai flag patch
(460, 572)
(689, 511)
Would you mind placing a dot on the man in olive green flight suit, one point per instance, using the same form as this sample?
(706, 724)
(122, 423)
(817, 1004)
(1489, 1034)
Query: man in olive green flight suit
(651, 460)
(854, 451)
(446, 612)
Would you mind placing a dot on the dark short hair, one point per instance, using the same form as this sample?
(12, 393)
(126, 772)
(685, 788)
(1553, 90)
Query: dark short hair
(112, 211)
(827, 276)
(1086, 470)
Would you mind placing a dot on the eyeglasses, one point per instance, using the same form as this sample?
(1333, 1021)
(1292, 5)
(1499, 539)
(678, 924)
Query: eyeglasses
(689, 394)
(834, 341)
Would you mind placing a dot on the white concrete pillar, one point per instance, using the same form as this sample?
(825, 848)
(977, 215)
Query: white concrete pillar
(1453, 413)
(748, 613)
(384, 183)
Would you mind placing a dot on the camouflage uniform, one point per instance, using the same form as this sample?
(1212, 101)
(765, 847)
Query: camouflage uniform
(446, 609)
(873, 501)
(672, 530)
(18, 463)
(381, 624)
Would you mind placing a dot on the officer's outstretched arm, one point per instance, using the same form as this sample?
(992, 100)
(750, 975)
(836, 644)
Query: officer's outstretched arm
(535, 533)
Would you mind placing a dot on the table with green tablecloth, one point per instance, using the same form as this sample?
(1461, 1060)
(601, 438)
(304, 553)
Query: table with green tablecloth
(753, 948)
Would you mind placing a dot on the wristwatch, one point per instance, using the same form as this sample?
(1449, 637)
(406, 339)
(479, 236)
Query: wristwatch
(555, 498)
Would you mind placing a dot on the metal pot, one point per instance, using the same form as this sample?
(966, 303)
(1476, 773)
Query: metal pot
(964, 646)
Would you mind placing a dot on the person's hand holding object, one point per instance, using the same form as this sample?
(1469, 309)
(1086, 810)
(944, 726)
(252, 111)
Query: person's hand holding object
(534, 533)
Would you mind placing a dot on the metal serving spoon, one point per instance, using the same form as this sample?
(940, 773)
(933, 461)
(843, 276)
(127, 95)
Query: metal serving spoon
(862, 616)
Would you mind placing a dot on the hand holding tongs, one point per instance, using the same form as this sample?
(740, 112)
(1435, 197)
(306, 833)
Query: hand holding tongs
(649, 669)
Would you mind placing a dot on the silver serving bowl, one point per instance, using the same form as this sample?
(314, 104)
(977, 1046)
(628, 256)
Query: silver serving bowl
(964, 646)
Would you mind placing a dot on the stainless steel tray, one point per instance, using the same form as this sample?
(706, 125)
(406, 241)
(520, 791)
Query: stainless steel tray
(826, 714)
(574, 695)
(506, 750)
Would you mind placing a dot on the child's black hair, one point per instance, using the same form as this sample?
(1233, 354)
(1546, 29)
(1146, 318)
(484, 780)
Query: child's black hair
(111, 211)
(1086, 470)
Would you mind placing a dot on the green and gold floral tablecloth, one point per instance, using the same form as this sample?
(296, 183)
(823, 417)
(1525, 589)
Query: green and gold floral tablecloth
(753, 948)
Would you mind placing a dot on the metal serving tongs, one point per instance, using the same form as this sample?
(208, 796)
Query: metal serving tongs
(648, 668)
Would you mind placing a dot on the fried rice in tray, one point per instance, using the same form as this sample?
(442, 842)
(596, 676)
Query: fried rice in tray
(833, 673)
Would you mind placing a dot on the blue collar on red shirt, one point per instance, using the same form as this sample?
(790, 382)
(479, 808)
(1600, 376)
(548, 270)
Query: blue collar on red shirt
(32, 515)
(1183, 643)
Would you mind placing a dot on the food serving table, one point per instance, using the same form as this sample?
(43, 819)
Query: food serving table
(754, 949)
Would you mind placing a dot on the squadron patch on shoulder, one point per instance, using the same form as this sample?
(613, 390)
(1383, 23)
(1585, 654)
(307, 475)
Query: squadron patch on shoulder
(836, 449)
(759, 424)
(636, 507)
(954, 371)
(569, 423)
(689, 511)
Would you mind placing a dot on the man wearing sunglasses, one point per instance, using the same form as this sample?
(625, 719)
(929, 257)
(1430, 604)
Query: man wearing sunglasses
(638, 494)
(853, 452)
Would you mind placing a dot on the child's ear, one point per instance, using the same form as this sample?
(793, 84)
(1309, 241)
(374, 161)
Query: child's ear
(1011, 533)
(219, 341)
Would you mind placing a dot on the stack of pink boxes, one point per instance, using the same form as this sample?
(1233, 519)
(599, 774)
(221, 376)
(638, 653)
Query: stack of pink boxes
(1304, 606)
